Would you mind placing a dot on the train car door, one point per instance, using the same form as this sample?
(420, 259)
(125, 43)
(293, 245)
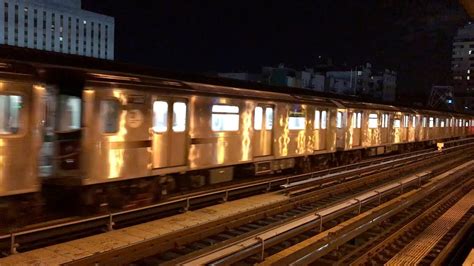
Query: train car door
(340, 130)
(356, 126)
(170, 127)
(263, 131)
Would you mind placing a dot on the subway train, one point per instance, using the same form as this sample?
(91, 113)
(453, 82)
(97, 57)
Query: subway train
(111, 135)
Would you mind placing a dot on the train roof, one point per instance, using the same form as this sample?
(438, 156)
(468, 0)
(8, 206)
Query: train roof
(57, 66)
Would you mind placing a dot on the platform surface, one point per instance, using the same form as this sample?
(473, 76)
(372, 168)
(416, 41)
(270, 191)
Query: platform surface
(84, 247)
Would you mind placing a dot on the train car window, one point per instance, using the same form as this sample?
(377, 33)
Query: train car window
(70, 113)
(109, 115)
(406, 121)
(179, 117)
(459, 122)
(317, 119)
(373, 121)
(258, 118)
(413, 123)
(396, 123)
(268, 118)
(357, 120)
(447, 122)
(339, 120)
(467, 124)
(225, 118)
(160, 116)
(10, 107)
(297, 120)
(324, 118)
(431, 123)
(384, 120)
(424, 121)
(436, 122)
(441, 123)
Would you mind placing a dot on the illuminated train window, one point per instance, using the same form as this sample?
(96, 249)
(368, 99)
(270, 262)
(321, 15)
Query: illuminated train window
(179, 117)
(70, 113)
(406, 121)
(385, 120)
(431, 123)
(317, 119)
(320, 119)
(258, 118)
(396, 123)
(160, 116)
(109, 113)
(10, 107)
(268, 118)
(413, 123)
(357, 120)
(297, 120)
(373, 121)
(225, 118)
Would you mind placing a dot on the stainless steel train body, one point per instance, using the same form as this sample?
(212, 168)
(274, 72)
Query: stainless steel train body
(121, 127)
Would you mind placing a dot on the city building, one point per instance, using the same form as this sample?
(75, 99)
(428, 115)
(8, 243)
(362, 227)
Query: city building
(241, 76)
(56, 25)
(360, 80)
(463, 67)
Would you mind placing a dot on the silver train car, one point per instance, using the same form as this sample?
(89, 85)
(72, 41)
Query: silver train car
(104, 136)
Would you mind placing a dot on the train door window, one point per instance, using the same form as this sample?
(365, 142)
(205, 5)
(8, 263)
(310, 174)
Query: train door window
(384, 120)
(406, 121)
(268, 118)
(258, 118)
(109, 113)
(225, 118)
(357, 120)
(413, 123)
(317, 119)
(324, 117)
(10, 107)
(179, 117)
(297, 120)
(396, 123)
(339, 120)
(373, 121)
(160, 116)
(431, 123)
(70, 113)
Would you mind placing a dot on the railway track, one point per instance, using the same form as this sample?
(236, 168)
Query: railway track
(344, 183)
(366, 242)
(252, 242)
(50, 233)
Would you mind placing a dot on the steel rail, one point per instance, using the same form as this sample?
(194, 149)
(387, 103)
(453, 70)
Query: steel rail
(358, 225)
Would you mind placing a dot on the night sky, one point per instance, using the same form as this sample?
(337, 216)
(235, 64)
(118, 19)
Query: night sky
(413, 37)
